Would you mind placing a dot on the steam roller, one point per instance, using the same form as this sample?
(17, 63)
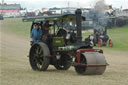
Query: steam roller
(62, 49)
(90, 62)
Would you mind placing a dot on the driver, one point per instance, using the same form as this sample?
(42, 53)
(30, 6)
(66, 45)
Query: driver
(36, 34)
(46, 27)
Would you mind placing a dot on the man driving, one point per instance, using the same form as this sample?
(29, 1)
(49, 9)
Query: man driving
(46, 27)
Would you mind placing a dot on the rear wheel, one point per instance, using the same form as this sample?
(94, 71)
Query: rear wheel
(63, 63)
(38, 57)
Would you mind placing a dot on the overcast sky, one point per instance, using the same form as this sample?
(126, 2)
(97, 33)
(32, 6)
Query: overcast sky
(64, 3)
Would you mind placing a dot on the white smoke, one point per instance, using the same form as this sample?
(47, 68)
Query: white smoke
(100, 6)
(99, 16)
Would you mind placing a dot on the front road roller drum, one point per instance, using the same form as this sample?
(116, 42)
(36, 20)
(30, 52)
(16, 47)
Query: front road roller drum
(91, 63)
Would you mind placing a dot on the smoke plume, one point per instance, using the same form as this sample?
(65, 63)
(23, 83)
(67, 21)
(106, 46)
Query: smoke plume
(100, 6)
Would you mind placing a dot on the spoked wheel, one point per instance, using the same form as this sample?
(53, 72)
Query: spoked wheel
(63, 63)
(38, 57)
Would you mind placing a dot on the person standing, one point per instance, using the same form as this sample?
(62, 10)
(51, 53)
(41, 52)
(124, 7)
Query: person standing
(36, 34)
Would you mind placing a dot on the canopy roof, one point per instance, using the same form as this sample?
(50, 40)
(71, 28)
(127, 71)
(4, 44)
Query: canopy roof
(66, 17)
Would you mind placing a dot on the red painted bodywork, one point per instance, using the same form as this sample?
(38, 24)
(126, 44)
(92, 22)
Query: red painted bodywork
(110, 43)
(86, 50)
(99, 43)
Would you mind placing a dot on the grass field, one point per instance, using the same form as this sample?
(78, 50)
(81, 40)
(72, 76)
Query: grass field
(15, 68)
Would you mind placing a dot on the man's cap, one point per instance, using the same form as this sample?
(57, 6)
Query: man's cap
(36, 24)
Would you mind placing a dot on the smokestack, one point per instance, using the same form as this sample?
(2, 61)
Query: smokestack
(78, 13)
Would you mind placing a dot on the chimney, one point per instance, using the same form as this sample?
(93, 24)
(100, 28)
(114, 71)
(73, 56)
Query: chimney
(78, 13)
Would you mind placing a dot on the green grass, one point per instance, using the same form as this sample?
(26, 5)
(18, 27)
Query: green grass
(15, 68)
(119, 35)
(16, 26)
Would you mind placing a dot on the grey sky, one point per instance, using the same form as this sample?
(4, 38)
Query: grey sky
(64, 3)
